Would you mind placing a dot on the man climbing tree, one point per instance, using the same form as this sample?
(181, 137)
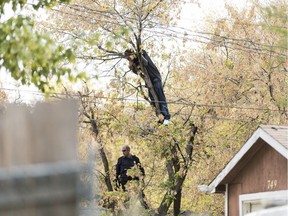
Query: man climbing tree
(154, 77)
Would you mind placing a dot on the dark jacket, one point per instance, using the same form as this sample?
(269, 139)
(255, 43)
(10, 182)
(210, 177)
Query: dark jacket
(151, 68)
(125, 163)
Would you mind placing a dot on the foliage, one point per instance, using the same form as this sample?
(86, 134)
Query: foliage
(29, 56)
(22, 3)
(275, 20)
(106, 28)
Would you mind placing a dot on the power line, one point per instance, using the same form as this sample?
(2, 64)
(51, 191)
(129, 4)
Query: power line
(88, 18)
(143, 100)
(240, 44)
(261, 48)
(109, 14)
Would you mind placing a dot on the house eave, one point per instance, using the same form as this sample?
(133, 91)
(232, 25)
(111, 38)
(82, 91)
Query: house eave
(258, 134)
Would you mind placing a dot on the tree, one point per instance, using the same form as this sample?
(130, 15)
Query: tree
(29, 56)
(107, 28)
(112, 26)
(222, 91)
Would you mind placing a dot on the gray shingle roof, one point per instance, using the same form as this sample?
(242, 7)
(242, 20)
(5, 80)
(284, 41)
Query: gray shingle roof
(277, 132)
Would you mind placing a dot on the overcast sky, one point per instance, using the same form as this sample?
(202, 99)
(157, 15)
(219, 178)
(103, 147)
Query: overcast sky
(195, 16)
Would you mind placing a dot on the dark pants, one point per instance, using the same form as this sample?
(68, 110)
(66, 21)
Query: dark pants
(158, 88)
(123, 180)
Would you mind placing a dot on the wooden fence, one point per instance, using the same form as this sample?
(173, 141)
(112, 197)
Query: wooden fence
(38, 168)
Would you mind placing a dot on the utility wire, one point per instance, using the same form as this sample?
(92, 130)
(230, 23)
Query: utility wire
(179, 34)
(142, 100)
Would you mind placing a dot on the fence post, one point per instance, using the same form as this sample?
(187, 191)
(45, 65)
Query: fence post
(39, 173)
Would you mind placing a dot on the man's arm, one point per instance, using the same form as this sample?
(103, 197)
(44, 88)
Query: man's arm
(135, 69)
(149, 60)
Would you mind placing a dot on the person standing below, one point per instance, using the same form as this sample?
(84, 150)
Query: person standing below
(154, 76)
(124, 163)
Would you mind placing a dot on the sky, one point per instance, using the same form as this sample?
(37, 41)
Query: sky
(193, 17)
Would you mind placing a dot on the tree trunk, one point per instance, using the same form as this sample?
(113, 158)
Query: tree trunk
(106, 168)
(177, 202)
(103, 156)
(175, 168)
(178, 196)
(165, 204)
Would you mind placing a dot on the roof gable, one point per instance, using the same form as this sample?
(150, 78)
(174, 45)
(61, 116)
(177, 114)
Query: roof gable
(275, 136)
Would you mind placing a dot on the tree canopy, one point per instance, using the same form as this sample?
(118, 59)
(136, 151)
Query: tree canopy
(31, 56)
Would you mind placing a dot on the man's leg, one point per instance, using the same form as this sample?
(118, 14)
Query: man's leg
(123, 181)
(151, 98)
(160, 116)
(162, 99)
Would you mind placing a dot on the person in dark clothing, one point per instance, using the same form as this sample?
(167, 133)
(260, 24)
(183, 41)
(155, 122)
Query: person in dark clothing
(154, 76)
(124, 163)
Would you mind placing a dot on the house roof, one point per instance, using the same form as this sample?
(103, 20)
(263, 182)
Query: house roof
(279, 133)
(273, 135)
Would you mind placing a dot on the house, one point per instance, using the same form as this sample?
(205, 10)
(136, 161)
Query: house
(256, 177)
